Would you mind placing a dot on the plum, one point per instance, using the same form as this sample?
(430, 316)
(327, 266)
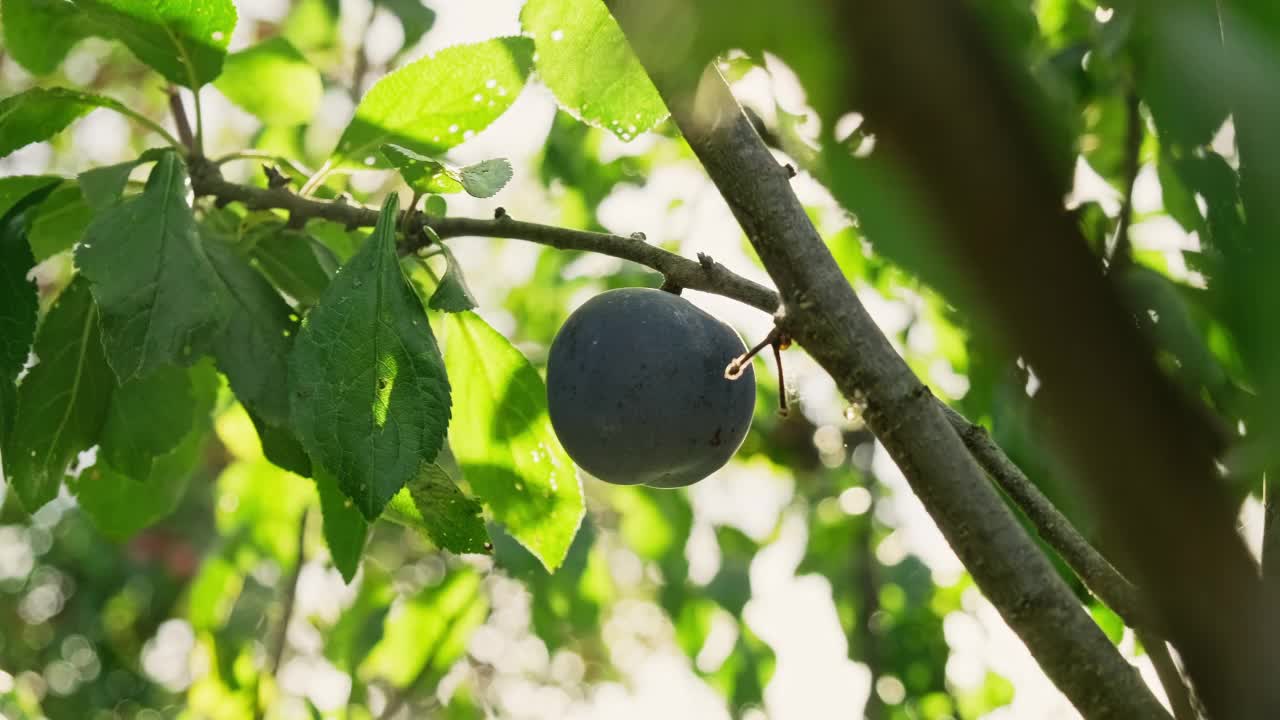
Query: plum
(637, 393)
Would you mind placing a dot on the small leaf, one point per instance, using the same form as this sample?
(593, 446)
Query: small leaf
(272, 81)
(40, 33)
(585, 59)
(157, 290)
(435, 206)
(253, 348)
(433, 504)
(148, 418)
(368, 387)
(452, 294)
(433, 104)
(420, 173)
(183, 40)
(62, 402)
(345, 529)
(485, 179)
(60, 222)
(503, 440)
(40, 113)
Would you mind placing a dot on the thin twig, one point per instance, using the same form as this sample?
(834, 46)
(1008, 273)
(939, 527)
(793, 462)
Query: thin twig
(1121, 250)
(1174, 686)
(709, 277)
(180, 120)
(291, 594)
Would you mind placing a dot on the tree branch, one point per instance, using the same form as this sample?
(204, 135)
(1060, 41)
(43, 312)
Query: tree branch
(1121, 251)
(1145, 452)
(824, 315)
(704, 274)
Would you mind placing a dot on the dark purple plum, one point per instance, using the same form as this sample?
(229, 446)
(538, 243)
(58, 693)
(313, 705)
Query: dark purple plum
(637, 393)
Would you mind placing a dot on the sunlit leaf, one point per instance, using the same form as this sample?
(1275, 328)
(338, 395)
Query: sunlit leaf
(369, 394)
(40, 113)
(433, 504)
(273, 81)
(503, 440)
(485, 179)
(585, 59)
(40, 33)
(183, 40)
(434, 103)
(421, 173)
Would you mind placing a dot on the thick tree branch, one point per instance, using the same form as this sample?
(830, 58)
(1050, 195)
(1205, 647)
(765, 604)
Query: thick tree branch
(824, 315)
(1145, 453)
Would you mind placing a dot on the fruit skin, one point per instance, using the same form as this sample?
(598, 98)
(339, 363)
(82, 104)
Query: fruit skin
(636, 389)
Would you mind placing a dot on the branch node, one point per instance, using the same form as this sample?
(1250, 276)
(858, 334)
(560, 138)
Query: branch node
(706, 262)
(671, 286)
(297, 221)
(790, 170)
(275, 178)
(637, 235)
(500, 213)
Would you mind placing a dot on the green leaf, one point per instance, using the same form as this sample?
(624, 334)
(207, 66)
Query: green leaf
(40, 113)
(431, 105)
(63, 400)
(263, 505)
(504, 443)
(40, 33)
(485, 179)
(183, 40)
(148, 418)
(19, 297)
(415, 18)
(60, 222)
(104, 186)
(429, 632)
(157, 290)
(452, 294)
(420, 173)
(16, 188)
(345, 529)
(297, 264)
(433, 504)
(368, 387)
(253, 348)
(118, 505)
(585, 59)
(272, 81)
(281, 447)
